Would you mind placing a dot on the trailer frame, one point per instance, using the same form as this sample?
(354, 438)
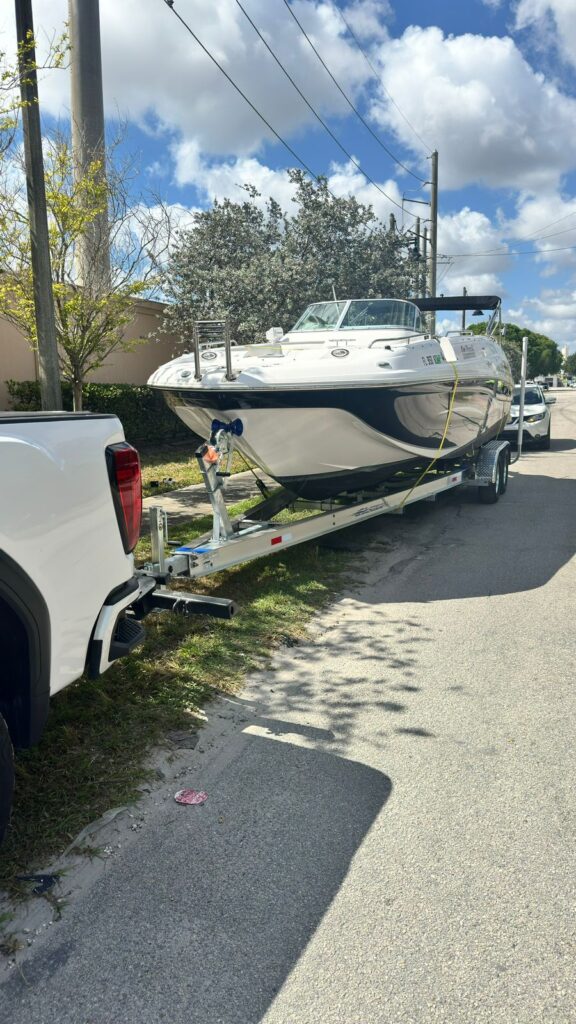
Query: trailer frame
(232, 542)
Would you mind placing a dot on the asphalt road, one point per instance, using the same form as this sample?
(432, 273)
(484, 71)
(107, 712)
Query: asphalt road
(390, 831)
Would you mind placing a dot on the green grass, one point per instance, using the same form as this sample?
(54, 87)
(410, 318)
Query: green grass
(93, 751)
(175, 463)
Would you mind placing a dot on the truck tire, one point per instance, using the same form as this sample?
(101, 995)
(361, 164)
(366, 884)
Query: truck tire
(6, 777)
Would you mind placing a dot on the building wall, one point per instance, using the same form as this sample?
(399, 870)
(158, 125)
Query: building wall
(18, 361)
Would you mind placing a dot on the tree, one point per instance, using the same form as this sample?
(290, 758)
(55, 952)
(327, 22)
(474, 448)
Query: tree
(11, 74)
(90, 319)
(544, 356)
(570, 364)
(259, 267)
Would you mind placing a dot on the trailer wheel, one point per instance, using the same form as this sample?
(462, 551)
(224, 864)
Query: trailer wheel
(6, 777)
(505, 456)
(489, 495)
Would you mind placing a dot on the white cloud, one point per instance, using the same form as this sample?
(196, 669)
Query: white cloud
(553, 20)
(225, 179)
(493, 119)
(156, 74)
(465, 233)
(553, 313)
(365, 18)
(546, 223)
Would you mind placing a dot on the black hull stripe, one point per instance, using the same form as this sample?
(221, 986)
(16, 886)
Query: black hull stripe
(413, 415)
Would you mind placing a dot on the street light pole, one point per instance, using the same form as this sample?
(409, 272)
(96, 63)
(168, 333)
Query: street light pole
(49, 370)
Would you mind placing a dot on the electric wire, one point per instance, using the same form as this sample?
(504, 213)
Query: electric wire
(553, 234)
(315, 112)
(535, 238)
(349, 101)
(316, 177)
(377, 75)
(512, 252)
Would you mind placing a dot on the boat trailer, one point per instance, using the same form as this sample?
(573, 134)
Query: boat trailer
(258, 533)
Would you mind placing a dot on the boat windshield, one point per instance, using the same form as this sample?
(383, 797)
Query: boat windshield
(320, 316)
(373, 313)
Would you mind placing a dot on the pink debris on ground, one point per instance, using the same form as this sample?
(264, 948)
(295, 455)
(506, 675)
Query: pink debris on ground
(190, 796)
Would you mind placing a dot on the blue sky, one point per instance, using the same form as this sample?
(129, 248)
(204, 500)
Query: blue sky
(490, 83)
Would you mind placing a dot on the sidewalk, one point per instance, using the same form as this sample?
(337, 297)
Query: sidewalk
(190, 502)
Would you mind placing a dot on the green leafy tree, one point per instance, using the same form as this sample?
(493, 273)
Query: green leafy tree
(544, 356)
(570, 364)
(91, 316)
(259, 267)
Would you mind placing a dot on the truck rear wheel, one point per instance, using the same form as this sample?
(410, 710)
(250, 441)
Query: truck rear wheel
(6, 777)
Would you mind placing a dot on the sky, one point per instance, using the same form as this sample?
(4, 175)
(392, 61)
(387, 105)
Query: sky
(489, 84)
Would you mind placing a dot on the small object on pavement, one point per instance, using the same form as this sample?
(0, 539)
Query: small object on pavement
(190, 796)
(44, 882)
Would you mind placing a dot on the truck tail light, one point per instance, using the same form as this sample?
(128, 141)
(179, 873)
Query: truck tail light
(126, 484)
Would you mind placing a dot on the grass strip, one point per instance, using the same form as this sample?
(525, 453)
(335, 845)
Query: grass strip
(93, 752)
(171, 467)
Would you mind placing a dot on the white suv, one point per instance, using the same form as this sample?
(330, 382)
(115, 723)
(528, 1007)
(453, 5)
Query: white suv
(536, 417)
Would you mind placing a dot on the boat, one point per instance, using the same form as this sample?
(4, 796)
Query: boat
(355, 393)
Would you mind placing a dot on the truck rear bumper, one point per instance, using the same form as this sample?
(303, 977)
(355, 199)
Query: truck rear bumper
(119, 627)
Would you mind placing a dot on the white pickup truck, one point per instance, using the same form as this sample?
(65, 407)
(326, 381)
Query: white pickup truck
(70, 598)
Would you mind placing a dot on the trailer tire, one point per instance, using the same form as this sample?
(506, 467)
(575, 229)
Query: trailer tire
(489, 495)
(505, 456)
(6, 777)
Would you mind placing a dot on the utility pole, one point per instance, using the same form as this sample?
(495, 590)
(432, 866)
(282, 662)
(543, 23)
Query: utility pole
(464, 293)
(392, 224)
(48, 365)
(433, 233)
(88, 139)
(416, 285)
(424, 261)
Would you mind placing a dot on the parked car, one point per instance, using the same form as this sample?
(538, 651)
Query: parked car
(537, 417)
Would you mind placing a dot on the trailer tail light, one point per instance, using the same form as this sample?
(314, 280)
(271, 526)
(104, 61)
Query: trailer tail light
(126, 484)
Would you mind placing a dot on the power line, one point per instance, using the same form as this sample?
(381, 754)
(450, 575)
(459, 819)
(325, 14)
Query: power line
(553, 234)
(379, 77)
(511, 252)
(315, 112)
(534, 238)
(349, 101)
(316, 177)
